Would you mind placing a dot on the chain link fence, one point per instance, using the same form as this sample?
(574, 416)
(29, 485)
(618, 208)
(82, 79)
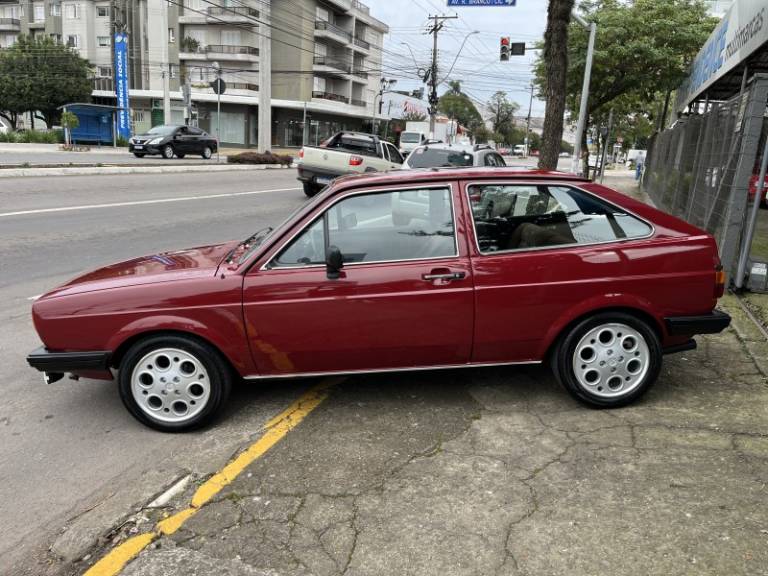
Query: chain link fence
(701, 169)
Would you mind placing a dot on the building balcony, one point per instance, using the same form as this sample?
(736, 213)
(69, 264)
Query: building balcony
(36, 25)
(356, 102)
(361, 44)
(231, 87)
(221, 15)
(10, 25)
(104, 84)
(331, 65)
(330, 96)
(330, 31)
(360, 76)
(222, 52)
(360, 6)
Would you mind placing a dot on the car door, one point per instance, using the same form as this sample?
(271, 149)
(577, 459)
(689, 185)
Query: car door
(395, 158)
(194, 140)
(181, 140)
(540, 250)
(404, 298)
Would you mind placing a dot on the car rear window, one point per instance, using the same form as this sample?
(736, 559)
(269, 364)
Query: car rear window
(355, 145)
(528, 216)
(410, 137)
(436, 157)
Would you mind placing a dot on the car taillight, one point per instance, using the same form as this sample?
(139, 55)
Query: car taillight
(719, 281)
(301, 153)
(355, 160)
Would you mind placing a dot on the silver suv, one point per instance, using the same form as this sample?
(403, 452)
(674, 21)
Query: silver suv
(453, 155)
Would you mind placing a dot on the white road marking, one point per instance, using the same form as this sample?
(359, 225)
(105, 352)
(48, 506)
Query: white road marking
(34, 297)
(142, 202)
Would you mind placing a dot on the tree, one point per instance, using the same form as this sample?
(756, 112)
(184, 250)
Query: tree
(643, 50)
(458, 106)
(412, 116)
(502, 113)
(38, 74)
(556, 65)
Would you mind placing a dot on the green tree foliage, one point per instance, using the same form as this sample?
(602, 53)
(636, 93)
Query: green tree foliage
(458, 106)
(643, 50)
(502, 113)
(39, 74)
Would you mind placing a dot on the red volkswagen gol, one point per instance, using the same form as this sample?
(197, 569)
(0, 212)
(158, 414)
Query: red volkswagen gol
(403, 271)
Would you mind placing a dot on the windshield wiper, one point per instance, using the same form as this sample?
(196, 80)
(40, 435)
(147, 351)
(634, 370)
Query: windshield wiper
(254, 239)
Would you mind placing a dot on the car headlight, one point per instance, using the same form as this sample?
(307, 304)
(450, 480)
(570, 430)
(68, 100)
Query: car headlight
(155, 141)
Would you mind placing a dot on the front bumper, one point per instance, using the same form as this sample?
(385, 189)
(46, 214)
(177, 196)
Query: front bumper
(57, 363)
(143, 149)
(712, 323)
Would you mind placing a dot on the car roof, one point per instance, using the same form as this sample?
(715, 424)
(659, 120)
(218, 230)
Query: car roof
(430, 175)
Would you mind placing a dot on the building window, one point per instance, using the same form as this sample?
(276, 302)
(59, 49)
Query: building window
(171, 35)
(102, 11)
(174, 70)
(323, 14)
(103, 40)
(56, 9)
(319, 84)
(56, 38)
(104, 71)
(73, 41)
(39, 13)
(73, 11)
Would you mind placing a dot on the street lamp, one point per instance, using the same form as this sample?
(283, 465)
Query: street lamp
(385, 85)
(459, 54)
(592, 27)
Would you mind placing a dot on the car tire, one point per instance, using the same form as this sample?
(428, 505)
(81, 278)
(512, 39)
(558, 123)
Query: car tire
(311, 189)
(174, 383)
(139, 154)
(207, 153)
(608, 360)
(167, 151)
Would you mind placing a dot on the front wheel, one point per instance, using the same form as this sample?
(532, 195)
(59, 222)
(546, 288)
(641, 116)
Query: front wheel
(207, 153)
(168, 152)
(608, 360)
(173, 383)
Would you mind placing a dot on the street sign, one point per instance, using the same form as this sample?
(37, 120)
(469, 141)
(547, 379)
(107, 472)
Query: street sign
(218, 85)
(517, 49)
(482, 3)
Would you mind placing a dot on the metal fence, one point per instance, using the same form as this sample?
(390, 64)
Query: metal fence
(700, 169)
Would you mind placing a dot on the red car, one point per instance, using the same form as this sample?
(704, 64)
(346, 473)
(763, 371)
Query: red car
(401, 271)
(753, 190)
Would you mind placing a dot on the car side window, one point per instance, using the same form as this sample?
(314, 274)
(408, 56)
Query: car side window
(394, 154)
(385, 151)
(194, 131)
(489, 160)
(529, 216)
(379, 227)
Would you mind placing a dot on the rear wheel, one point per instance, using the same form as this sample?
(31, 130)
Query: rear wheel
(207, 152)
(311, 189)
(167, 151)
(173, 383)
(608, 360)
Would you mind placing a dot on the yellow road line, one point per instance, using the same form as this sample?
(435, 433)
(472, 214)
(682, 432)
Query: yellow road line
(275, 430)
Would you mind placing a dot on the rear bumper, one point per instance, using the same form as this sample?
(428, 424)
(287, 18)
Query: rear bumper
(712, 323)
(310, 174)
(60, 362)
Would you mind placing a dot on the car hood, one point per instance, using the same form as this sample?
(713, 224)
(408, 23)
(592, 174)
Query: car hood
(162, 267)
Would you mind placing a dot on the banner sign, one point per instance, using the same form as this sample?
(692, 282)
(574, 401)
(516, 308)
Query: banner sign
(121, 85)
(742, 31)
(482, 2)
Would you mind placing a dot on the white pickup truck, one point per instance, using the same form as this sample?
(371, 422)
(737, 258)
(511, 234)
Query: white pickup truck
(345, 153)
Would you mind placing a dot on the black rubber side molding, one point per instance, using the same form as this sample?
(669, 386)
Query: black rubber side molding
(712, 323)
(47, 361)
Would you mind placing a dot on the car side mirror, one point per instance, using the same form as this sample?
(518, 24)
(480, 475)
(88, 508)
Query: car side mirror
(334, 262)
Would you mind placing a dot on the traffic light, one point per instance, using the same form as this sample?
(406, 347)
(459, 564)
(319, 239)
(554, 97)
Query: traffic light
(504, 55)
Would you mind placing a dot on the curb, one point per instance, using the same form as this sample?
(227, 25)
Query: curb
(107, 170)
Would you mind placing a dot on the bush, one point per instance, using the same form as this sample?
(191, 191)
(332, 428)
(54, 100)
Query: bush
(260, 158)
(34, 137)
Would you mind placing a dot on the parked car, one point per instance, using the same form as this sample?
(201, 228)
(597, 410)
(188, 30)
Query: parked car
(518, 150)
(344, 153)
(753, 190)
(169, 141)
(453, 155)
(407, 270)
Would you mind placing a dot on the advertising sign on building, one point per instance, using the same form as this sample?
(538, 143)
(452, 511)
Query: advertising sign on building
(743, 29)
(121, 85)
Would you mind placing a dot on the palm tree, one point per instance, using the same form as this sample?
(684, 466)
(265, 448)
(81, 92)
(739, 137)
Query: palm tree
(556, 65)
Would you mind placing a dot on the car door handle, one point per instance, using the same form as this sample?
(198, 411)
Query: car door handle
(444, 276)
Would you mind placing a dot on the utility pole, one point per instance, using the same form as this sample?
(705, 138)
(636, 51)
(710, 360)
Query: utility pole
(528, 124)
(592, 27)
(166, 68)
(217, 67)
(437, 24)
(265, 79)
(605, 145)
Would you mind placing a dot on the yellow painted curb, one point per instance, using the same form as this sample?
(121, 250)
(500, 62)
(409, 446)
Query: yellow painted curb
(276, 429)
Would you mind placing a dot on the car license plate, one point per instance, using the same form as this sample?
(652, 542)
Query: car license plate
(322, 179)
(138, 146)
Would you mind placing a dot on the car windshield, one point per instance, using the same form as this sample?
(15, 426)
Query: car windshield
(161, 130)
(410, 137)
(434, 157)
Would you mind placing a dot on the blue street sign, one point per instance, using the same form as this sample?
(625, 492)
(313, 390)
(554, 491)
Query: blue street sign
(482, 2)
(121, 85)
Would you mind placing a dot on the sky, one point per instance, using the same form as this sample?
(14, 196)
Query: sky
(478, 65)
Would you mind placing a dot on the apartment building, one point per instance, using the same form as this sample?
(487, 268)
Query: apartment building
(319, 58)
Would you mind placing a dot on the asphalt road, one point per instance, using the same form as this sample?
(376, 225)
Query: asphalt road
(72, 447)
(94, 156)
